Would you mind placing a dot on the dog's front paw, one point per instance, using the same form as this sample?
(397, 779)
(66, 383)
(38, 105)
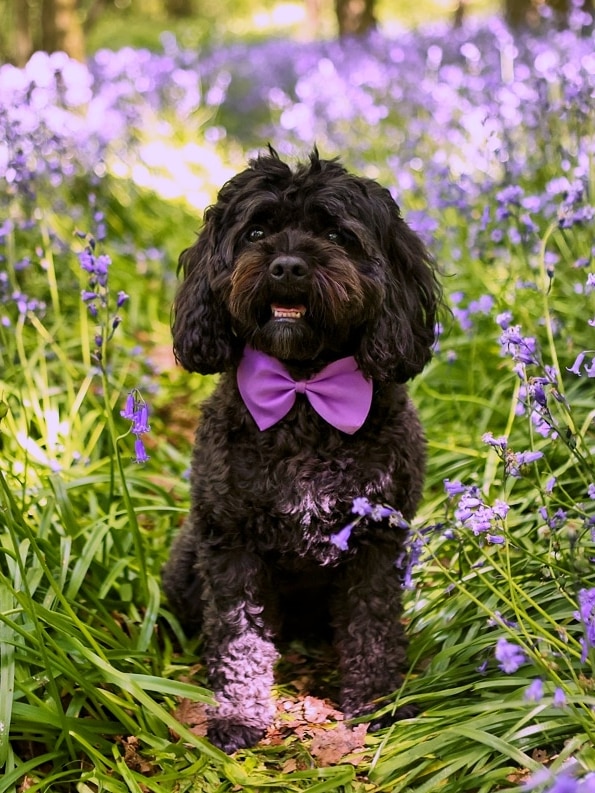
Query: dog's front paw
(380, 720)
(231, 736)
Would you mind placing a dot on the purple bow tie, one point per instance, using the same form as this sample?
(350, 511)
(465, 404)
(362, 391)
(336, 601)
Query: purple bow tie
(339, 393)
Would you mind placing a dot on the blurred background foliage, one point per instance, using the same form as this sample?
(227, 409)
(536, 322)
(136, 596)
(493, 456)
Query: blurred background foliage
(80, 27)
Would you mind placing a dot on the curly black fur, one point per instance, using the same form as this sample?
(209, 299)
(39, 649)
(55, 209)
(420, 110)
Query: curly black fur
(256, 546)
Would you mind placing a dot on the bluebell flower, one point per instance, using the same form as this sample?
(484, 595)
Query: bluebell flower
(498, 443)
(87, 295)
(409, 559)
(140, 421)
(550, 484)
(380, 511)
(453, 488)
(534, 692)
(559, 698)
(510, 656)
(341, 539)
(586, 614)
(514, 461)
(361, 506)
(578, 362)
(523, 349)
(129, 410)
(495, 539)
(140, 453)
(504, 319)
(136, 411)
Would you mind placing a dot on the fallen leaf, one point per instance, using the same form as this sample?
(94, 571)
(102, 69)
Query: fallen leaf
(193, 715)
(331, 746)
(133, 759)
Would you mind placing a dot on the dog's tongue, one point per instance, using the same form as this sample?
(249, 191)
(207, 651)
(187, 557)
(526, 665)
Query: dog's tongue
(288, 312)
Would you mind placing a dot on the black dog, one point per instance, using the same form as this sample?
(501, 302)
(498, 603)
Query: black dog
(317, 302)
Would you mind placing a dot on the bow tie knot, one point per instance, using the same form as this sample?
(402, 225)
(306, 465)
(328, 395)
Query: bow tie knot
(339, 393)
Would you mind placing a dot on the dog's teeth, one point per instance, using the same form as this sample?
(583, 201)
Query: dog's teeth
(287, 313)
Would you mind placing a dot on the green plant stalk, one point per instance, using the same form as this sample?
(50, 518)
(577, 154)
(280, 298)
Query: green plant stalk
(130, 511)
(51, 270)
(545, 289)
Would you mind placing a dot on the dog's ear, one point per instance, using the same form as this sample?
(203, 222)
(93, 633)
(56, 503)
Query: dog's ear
(398, 343)
(201, 327)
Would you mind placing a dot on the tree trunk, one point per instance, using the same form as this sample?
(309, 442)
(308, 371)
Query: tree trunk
(23, 42)
(355, 17)
(179, 8)
(312, 22)
(459, 14)
(520, 13)
(61, 28)
(524, 13)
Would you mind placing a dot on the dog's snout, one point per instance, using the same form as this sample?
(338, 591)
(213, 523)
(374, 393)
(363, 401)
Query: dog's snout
(288, 268)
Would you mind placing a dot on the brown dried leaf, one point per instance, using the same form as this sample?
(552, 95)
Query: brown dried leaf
(331, 746)
(193, 715)
(541, 755)
(134, 760)
(318, 711)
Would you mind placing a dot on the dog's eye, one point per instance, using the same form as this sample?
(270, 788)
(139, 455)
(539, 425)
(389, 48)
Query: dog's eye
(336, 236)
(255, 234)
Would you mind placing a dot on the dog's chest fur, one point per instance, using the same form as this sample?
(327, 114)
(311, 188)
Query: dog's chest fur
(291, 487)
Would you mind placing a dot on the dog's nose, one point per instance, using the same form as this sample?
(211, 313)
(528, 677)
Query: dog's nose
(288, 268)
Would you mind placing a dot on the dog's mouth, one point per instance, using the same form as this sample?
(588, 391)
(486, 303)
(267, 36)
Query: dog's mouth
(287, 312)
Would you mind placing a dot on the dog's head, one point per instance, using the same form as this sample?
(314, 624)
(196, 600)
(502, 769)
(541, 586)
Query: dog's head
(306, 264)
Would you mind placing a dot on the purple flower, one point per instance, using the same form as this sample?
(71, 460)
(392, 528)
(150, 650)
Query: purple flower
(524, 458)
(534, 692)
(537, 392)
(129, 407)
(453, 488)
(87, 260)
(379, 512)
(550, 484)
(341, 539)
(578, 362)
(516, 460)
(497, 443)
(140, 453)
(510, 656)
(136, 410)
(523, 349)
(361, 506)
(396, 520)
(408, 559)
(586, 614)
(559, 698)
(140, 420)
(563, 783)
(495, 539)
(504, 319)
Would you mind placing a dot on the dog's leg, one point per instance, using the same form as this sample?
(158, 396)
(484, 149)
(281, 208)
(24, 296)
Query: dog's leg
(369, 635)
(182, 581)
(240, 653)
